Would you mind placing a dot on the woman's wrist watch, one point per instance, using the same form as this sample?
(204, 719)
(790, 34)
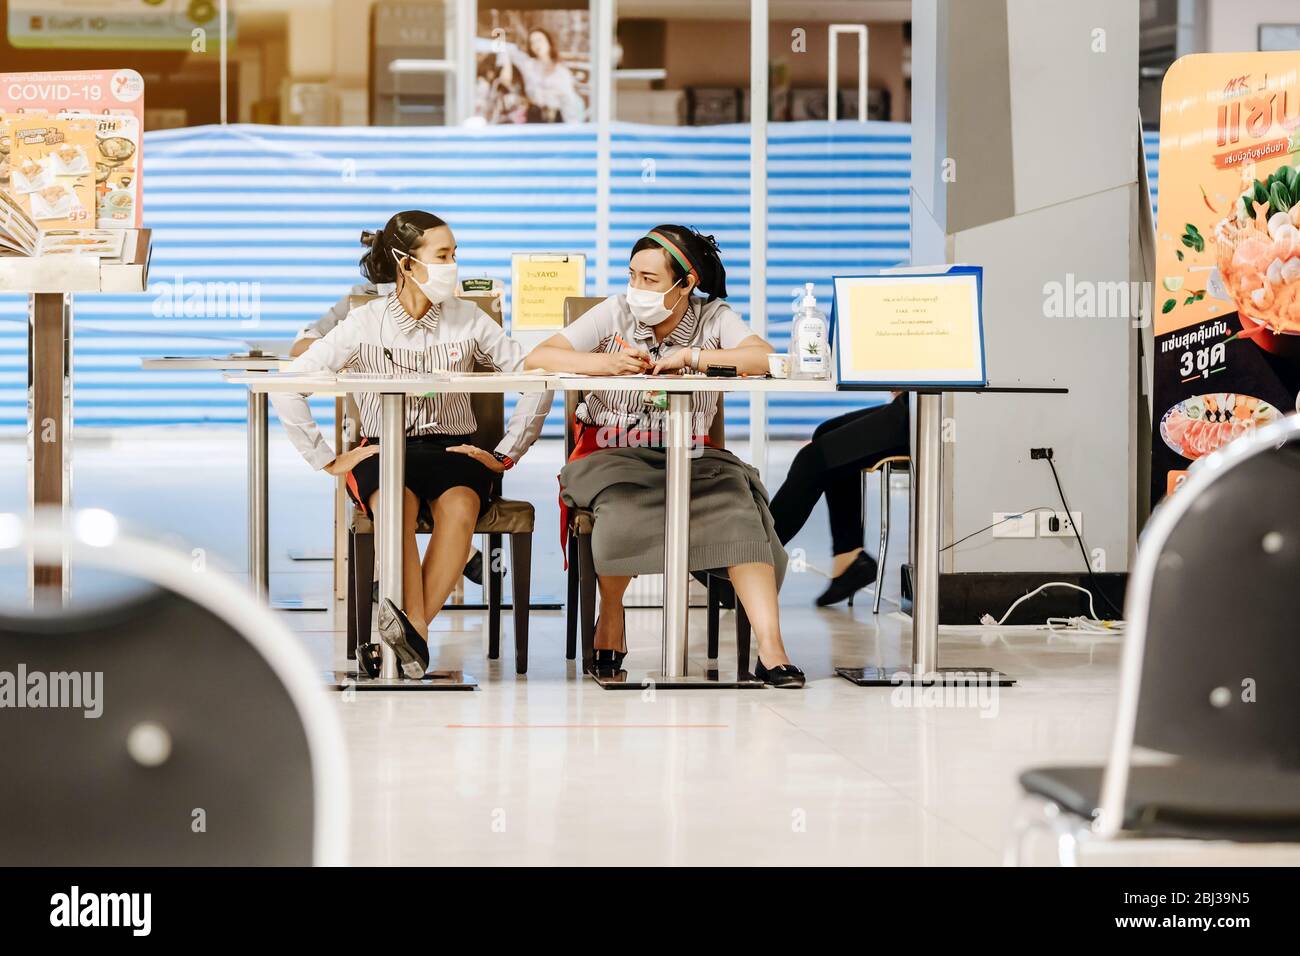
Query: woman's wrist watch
(505, 460)
(695, 359)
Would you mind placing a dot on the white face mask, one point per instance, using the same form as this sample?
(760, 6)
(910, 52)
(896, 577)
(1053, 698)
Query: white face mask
(441, 282)
(647, 306)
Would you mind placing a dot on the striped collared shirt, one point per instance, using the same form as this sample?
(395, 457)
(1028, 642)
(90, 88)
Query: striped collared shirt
(381, 338)
(706, 325)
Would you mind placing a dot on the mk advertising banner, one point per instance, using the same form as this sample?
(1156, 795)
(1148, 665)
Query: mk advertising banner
(1227, 295)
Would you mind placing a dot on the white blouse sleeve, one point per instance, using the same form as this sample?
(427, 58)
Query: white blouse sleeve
(497, 350)
(329, 354)
(732, 329)
(591, 331)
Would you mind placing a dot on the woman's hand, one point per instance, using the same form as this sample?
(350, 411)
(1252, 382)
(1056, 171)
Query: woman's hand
(345, 462)
(672, 362)
(625, 362)
(484, 458)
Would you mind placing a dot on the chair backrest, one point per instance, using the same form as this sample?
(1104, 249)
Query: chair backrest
(575, 307)
(191, 728)
(1210, 658)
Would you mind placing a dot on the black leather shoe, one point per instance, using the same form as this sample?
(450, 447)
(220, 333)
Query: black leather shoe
(400, 634)
(606, 660)
(370, 659)
(855, 577)
(787, 675)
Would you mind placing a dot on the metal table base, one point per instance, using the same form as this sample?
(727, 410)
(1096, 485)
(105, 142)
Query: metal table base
(673, 672)
(288, 602)
(434, 680)
(710, 678)
(924, 669)
(901, 675)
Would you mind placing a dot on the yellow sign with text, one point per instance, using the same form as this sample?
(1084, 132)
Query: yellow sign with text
(910, 327)
(539, 284)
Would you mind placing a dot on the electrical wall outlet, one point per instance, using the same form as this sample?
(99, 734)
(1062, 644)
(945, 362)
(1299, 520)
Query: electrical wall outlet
(1020, 525)
(1066, 524)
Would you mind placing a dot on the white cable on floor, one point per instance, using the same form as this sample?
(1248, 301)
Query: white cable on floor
(1078, 625)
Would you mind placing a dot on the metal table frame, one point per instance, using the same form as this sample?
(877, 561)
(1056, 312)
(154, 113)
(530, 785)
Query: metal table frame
(673, 671)
(259, 549)
(50, 283)
(393, 392)
(927, 467)
(674, 665)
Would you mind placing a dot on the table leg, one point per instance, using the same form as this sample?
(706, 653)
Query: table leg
(928, 455)
(392, 489)
(677, 535)
(258, 504)
(340, 555)
(49, 383)
(672, 673)
(927, 462)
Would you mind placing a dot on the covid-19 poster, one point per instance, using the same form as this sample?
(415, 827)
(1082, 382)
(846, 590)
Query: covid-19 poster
(1227, 296)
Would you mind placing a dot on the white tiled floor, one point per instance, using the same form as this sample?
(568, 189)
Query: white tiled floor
(551, 769)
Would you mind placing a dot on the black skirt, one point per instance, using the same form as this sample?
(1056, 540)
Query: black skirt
(430, 470)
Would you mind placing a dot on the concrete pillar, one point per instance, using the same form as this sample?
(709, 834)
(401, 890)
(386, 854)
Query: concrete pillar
(1024, 160)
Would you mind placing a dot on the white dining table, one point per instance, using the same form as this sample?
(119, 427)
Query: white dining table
(673, 671)
(393, 391)
(259, 569)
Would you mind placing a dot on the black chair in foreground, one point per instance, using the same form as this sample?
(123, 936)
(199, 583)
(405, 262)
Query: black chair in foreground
(1207, 682)
(180, 724)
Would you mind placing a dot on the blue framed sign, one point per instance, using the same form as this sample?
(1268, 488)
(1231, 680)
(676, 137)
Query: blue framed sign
(920, 326)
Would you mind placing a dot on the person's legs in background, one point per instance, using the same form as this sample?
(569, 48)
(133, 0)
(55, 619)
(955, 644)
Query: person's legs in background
(831, 464)
(794, 501)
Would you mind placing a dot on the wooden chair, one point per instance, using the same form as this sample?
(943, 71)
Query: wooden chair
(580, 608)
(504, 517)
(885, 468)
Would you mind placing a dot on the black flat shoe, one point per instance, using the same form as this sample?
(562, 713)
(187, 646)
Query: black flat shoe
(400, 634)
(855, 577)
(370, 659)
(787, 675)
(606, 660)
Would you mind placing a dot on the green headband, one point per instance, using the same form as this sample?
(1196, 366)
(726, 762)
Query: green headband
(672, 250)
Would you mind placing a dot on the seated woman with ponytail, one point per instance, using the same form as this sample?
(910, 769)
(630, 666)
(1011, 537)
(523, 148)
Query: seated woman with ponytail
(661, 325)
(420, 326)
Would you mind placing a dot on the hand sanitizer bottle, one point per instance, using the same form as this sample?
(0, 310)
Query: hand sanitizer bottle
(808, 358)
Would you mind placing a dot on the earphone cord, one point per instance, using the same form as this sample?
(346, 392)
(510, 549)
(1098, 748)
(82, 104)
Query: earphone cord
(388, 353)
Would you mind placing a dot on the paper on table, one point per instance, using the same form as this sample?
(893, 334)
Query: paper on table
(415, 376)
(101, 243)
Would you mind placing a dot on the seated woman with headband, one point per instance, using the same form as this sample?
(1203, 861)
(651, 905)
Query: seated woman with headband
(660, 325)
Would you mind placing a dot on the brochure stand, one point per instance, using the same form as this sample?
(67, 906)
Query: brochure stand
(50, 283)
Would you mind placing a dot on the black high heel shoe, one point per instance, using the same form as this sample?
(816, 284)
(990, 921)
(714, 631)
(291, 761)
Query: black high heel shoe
(852, 580)
(400, 634)
(786, 675)
(604, 659)
(370, 659)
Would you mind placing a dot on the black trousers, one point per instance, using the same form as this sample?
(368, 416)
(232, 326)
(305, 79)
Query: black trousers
(831, 465)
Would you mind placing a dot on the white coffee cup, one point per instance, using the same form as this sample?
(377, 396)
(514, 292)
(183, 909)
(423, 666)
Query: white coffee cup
(778, 365)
